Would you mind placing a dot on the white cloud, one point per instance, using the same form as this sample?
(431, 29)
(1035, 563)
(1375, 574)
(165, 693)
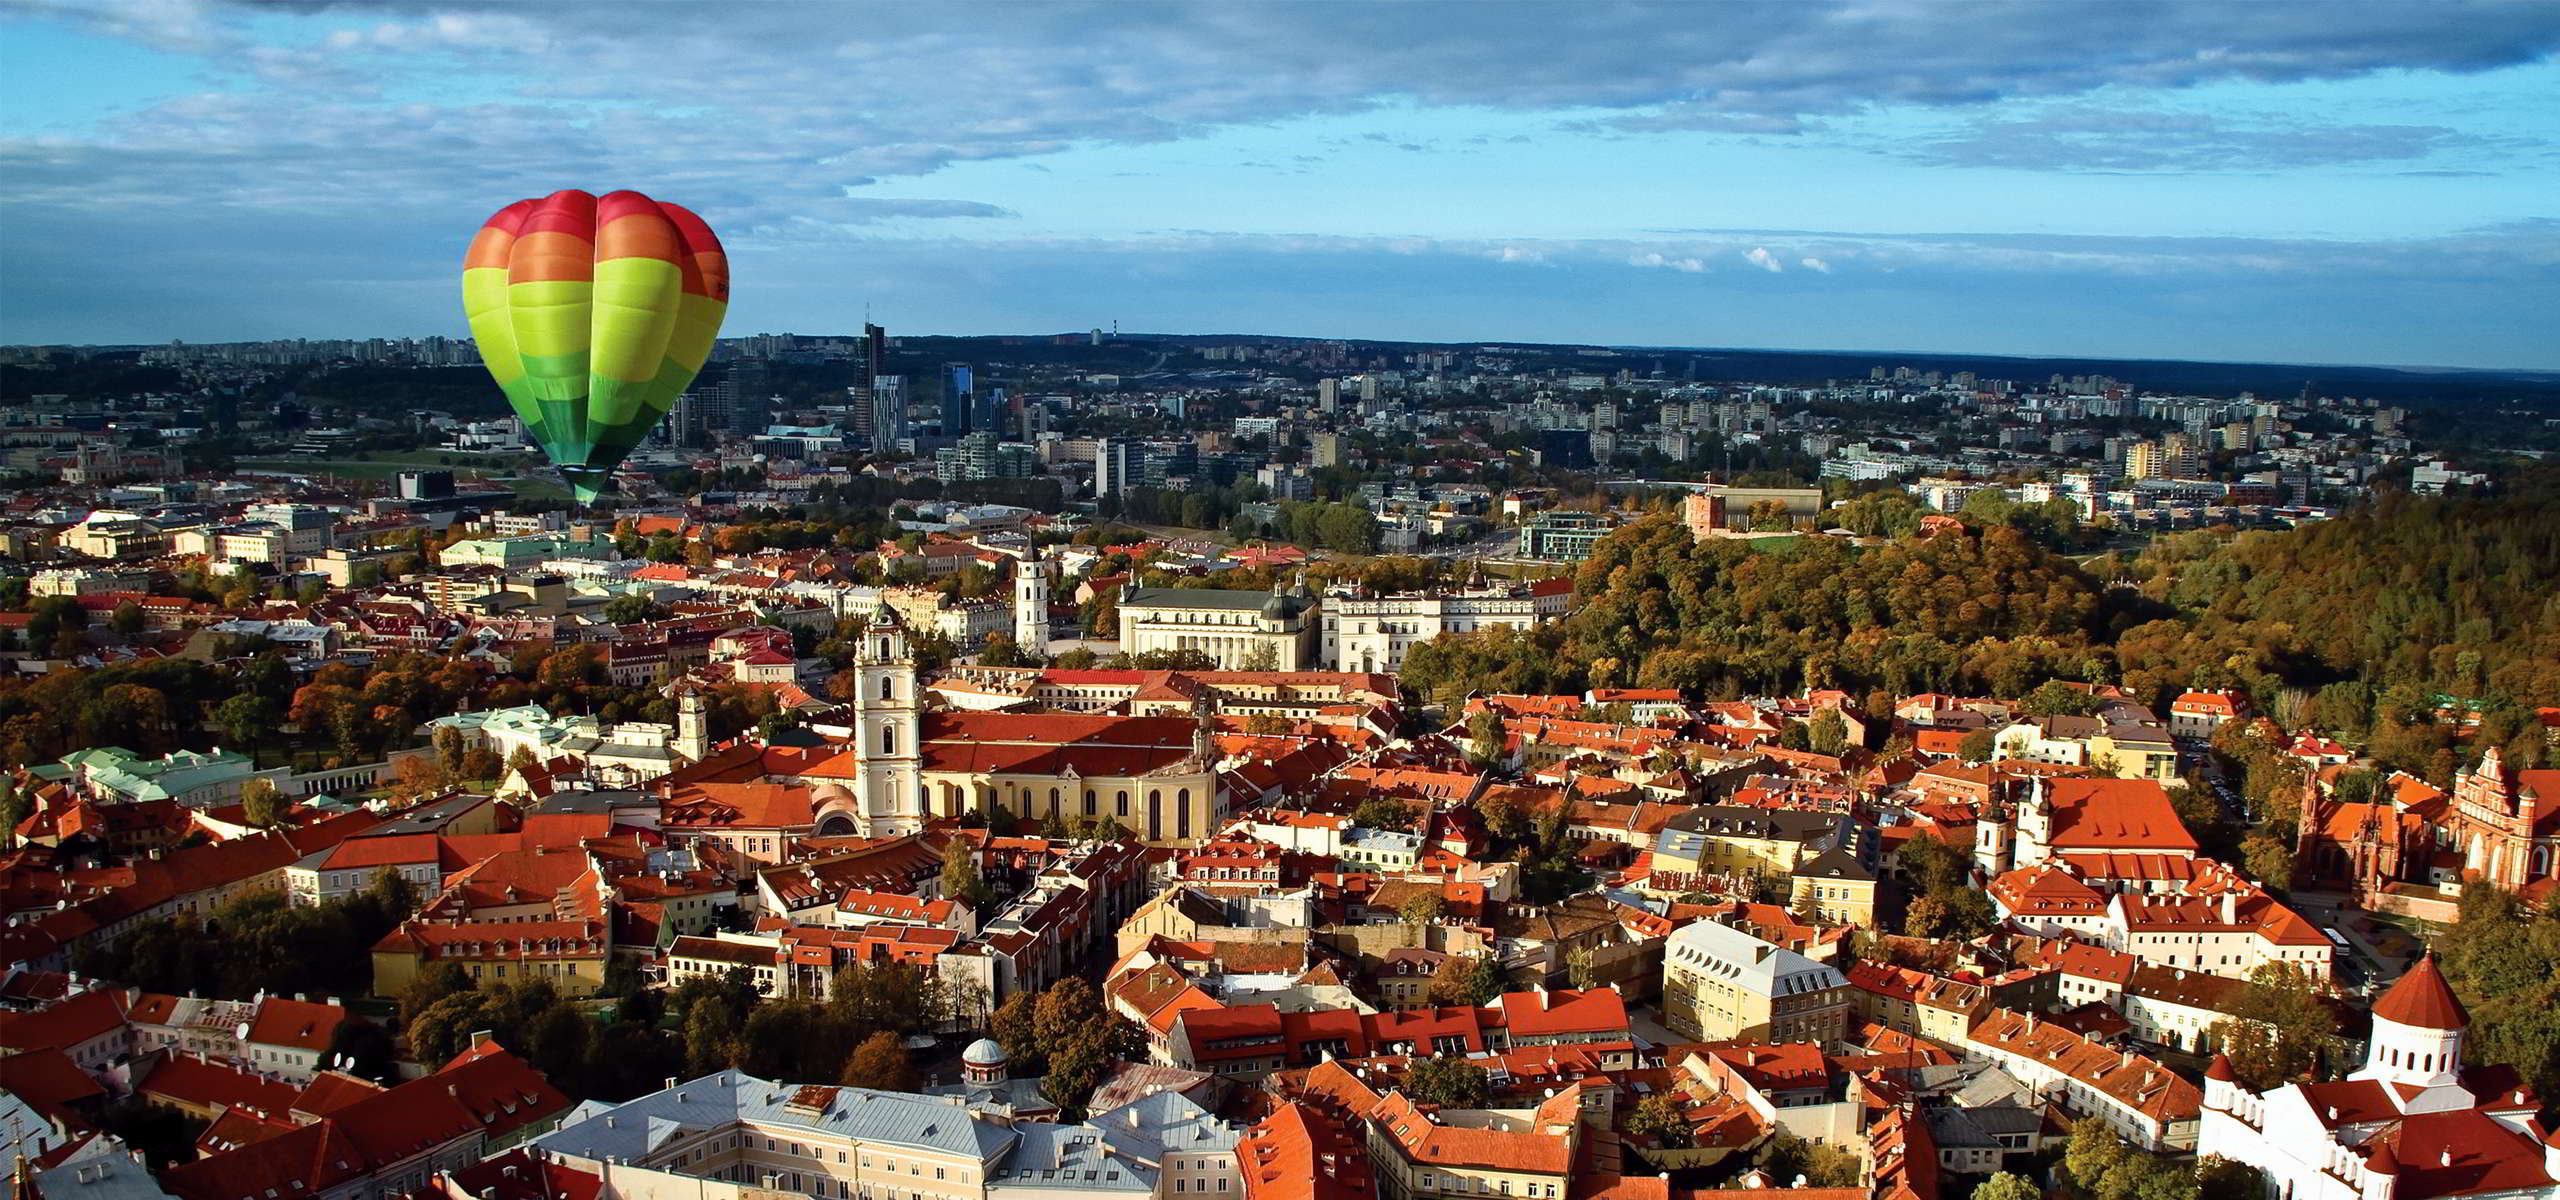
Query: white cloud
(1688, 264)
(1815, 264)
(1760, 257)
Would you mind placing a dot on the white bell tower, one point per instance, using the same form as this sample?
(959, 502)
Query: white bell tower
(886, 729)
(693, 723)
(1031, 604)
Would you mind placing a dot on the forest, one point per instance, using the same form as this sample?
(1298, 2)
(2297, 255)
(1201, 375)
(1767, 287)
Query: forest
(2412, 623)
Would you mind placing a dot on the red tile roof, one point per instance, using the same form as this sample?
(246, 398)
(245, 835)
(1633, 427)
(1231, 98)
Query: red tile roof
(2422, 999)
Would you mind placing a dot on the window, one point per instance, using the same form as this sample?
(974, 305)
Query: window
(888, 739)
(888, 687)
(1124, 804)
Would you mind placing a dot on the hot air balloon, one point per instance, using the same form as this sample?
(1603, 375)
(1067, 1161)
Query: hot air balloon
(593, 315)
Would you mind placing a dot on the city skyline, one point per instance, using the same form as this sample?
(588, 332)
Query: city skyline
(2346, 184)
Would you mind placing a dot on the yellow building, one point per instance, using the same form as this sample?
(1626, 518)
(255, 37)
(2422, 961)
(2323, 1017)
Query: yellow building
(1724, 839)
(1722, 984)
(570, 955)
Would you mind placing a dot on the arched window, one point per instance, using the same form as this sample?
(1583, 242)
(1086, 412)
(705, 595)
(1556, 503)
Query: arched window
(888, 739)
(1124, 804)
(888, 687)
(1053, 799)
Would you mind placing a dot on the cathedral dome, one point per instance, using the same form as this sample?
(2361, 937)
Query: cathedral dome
(983, 1053)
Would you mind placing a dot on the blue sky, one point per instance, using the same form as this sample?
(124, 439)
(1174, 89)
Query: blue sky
(2331, 182)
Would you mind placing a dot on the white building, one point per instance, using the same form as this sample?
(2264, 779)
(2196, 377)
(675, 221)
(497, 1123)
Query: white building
(1239, 630)
(1365, 632)
(2415, 1123)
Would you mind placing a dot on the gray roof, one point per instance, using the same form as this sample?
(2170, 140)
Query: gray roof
(595, 802)
(1166, 597)
(630, 1131)
(1068, 1156)
(1764, 968)
(1164, 1123)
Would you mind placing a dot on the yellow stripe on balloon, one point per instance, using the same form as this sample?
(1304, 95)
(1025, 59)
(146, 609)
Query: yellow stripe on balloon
(484, 303)
(635, 311)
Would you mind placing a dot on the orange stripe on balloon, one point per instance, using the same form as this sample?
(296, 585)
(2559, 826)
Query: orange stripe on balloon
(706, 268)
(489, 248)
(550, 256)
(638, 234)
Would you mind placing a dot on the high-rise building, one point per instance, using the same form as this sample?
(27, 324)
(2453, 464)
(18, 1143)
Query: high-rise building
(1326, 448)
(889, 424)
(867, 420)
(746, 395)
(1112, 460)
(959, 400)
(1328, 395)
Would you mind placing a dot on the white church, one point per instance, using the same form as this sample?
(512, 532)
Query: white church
(2413, 1124)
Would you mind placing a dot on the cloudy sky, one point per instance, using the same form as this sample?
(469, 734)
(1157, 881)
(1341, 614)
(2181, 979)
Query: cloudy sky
(2330, 181)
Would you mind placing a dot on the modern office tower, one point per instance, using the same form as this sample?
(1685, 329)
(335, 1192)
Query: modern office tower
(867, 419)
(1112, 460)
(889, 424)
(959, 400)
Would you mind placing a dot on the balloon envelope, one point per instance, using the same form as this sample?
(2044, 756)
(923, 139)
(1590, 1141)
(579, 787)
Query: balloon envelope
(593, 314)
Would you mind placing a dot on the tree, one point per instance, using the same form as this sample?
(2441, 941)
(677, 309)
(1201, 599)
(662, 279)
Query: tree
(2092, 1151)
(1383, 812)
(1448, 1082)
(15, 807)
(1423, 908)
(261, 806)
(1790, 1158)
(127, 619)
(2502, 957)
(449, 749)
(2219, 1178)
(2055, 698)
(1978, 746)
(520, 761)
(2005, 1186)
(1827, 733)
(1465, 979)
(2269, 861)
(880, 1062)
(629, 608)
(480, 764)
(1580, 970)
(245, 719)
(1485, 737)
(1659, 1119)
(438, 981)
(391, 895)
(961, 878)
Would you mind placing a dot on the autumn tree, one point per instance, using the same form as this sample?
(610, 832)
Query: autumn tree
(880, 1062)
(1467, 980)
(1659, 1118)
